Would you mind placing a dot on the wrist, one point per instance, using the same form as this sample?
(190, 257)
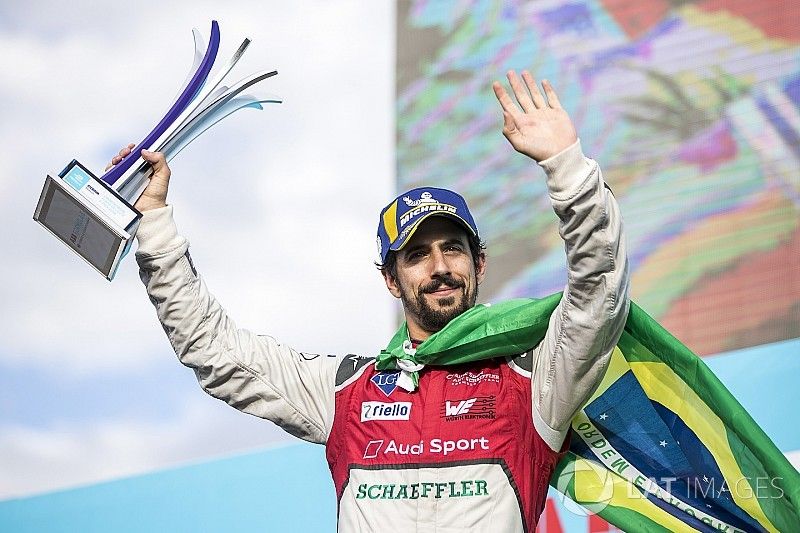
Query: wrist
(149, 205)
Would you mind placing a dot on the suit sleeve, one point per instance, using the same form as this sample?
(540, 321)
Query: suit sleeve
(253, 373)
(572, 359)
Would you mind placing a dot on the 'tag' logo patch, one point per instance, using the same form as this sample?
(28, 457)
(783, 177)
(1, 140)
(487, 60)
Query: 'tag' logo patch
(386, 381)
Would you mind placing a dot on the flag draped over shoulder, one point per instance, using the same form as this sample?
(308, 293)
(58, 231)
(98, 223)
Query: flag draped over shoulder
(660, 446)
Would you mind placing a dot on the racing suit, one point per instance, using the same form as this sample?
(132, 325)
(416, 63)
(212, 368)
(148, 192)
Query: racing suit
(475, 446)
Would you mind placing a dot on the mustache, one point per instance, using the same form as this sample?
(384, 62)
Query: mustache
(444, 280)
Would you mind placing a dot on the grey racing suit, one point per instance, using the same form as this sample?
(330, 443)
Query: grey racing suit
(299, 392)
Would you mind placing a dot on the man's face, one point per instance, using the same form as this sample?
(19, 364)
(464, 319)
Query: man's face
(437, 278)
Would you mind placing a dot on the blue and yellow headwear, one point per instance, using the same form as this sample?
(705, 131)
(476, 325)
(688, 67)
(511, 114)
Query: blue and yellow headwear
(400, 219)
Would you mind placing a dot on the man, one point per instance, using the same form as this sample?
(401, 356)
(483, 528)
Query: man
(470, 446)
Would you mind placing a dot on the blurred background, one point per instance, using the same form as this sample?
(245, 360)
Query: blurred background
(692, 109)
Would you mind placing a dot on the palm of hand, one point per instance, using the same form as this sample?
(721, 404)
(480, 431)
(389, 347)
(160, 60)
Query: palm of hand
(541, 134)
(534, 125)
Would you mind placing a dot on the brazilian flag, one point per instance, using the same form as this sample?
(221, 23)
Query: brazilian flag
(660, 446)
(663, 446)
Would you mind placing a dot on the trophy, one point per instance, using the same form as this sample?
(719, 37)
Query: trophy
(95, 216)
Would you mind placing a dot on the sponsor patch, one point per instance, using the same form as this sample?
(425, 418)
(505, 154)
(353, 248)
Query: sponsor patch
(373, 449)
(385, 411)
(472, 379)
(434, 446)
(413, 491)
(386, 381)
(425, 208)
(469, 408)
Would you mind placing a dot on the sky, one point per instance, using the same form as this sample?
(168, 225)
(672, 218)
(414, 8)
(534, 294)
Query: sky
(280, 207)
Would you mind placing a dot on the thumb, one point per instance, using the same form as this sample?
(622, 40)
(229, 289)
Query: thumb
(158, 162)
(509, 126)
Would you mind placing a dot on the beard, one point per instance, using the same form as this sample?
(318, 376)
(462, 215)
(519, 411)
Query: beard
(433, 317)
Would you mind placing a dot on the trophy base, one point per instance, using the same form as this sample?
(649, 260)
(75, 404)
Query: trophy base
(87, 215)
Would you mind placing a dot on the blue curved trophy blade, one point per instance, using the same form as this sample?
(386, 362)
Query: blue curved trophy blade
(177, 108)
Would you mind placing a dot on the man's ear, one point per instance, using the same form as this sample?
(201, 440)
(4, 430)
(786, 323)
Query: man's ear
(391, 284)
(480, 267)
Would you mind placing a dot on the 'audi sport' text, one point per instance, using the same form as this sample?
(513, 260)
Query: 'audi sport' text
(434, 446)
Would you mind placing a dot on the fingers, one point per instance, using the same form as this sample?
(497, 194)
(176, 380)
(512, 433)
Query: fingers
(120, 156)
(536, 96)
(521, 93)
(552, 97)
(528, 94)
(505, 100)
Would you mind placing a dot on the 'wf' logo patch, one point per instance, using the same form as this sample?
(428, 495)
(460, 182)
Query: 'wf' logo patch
(460, 408)
(469, 409)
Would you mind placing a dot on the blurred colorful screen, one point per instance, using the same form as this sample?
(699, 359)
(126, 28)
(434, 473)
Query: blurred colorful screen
(692, 110)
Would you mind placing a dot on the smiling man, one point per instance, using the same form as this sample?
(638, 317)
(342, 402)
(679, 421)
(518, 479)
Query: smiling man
(437, 274)
(467, 437)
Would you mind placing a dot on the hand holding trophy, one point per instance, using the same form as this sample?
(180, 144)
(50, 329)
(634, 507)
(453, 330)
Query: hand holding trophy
(98, 217)
(155, 194)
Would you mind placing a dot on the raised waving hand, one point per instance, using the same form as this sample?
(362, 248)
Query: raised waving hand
(536, 125)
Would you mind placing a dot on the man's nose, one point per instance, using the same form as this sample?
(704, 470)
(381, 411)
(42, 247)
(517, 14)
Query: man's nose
(440, 265)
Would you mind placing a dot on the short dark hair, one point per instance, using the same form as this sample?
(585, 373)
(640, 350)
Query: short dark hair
(389, 266)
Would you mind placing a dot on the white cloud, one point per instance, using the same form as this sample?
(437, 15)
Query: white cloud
(36, 460)
(280, 206)
(273, 201)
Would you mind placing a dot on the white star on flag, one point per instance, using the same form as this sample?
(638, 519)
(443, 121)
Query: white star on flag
(663, 444)
(603, 416)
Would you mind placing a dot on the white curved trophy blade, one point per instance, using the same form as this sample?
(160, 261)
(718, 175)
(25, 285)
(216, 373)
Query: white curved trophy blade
(203, 96)
(219, 91)
(199, 51)
(221, 100)
(207, 117)
(230, 107)
(136, 186)
(207, 95)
